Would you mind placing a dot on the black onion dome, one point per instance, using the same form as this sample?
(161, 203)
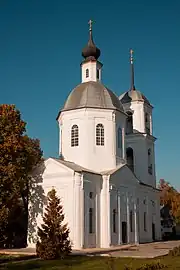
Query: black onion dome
(91, 51)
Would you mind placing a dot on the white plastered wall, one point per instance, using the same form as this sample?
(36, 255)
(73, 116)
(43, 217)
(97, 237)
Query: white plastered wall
(87, 153)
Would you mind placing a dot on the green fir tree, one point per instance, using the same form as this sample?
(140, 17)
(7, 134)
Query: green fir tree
(54, 239)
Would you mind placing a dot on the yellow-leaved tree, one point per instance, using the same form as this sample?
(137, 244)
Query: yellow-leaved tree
(19, 154)
(171, 197)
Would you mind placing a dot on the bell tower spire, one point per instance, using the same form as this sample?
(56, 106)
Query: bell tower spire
(91, 67)
(132, 70)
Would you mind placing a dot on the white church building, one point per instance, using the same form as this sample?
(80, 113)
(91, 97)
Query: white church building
(105, 175)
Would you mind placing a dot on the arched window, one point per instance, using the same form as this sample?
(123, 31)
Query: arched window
(87, 73)
(129, 123)
(100, 134)
(149, 162)
(147, 123)
(119, 139)
(130, 158)
(74, 136)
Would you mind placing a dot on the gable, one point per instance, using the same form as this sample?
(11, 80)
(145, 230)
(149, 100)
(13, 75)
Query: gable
(124, 177)
(53, 168)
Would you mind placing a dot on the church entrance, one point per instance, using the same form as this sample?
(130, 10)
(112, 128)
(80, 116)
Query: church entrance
(124, 232)
(153, 232)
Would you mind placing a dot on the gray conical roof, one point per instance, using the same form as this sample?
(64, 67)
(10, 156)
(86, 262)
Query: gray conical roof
(133, 95)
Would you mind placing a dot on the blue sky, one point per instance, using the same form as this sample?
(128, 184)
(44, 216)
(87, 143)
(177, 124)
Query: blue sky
(40, 55)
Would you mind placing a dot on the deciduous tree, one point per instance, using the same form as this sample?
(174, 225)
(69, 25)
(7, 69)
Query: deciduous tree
(171, 197)
(19, 154)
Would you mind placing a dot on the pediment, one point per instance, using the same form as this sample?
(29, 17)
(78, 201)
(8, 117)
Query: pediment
(53, 167)
(124, 176)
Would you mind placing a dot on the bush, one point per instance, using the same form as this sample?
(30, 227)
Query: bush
(126, 267)
(152, 266)
(53, 240)
(174, 252)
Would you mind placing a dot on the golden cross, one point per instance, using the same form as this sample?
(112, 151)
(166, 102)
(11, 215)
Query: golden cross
(131, 54)
(90, 25)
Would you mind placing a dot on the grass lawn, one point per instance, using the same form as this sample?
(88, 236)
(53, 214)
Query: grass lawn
(4, 258)
(87, 263)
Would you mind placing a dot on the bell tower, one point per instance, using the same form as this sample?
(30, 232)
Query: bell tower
(139, 133)
(90, 67)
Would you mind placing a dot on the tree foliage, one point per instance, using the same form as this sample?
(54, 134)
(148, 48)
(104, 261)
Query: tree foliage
(171, 197)
(19, 154)
(54, 235)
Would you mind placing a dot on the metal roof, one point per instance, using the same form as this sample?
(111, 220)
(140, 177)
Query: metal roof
(133, 95)
(92, 95)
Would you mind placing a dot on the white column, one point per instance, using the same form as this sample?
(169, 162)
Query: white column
(128, 221)
(119, 220)
(82, 215)
(136, 223)
(151, 124)
(105, 238)
(148, 220)
(114, 147)
(98, 214)
(158, 233)
(86, 216)
(78, 212)
(60, 137)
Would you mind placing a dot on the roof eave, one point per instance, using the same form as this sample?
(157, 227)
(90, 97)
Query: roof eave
(143, 184)
(141, 133)
(90, 107)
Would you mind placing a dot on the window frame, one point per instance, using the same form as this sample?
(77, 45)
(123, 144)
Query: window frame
(147, 123)
(129, 122)
(74, 136)
(130, 156)
(91, 195)
(119, 139)
(145, 221)
(150, 169)
(98, 74)
(91, 221)
(87, 72)
(99, 134)
(114, 215)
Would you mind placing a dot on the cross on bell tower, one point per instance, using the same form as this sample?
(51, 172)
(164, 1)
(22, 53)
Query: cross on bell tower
(90, 24)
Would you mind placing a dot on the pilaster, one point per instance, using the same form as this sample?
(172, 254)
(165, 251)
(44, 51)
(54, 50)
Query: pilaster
(79, 212)
(105, 238)
(128, 221)
(119, 219)
(136, 238)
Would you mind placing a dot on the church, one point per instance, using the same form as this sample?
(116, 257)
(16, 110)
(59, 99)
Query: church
(105, 174)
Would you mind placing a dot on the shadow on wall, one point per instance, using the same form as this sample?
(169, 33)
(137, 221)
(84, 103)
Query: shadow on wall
(36, 201)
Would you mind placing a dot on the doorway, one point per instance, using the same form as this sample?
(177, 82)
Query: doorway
(124, 232)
